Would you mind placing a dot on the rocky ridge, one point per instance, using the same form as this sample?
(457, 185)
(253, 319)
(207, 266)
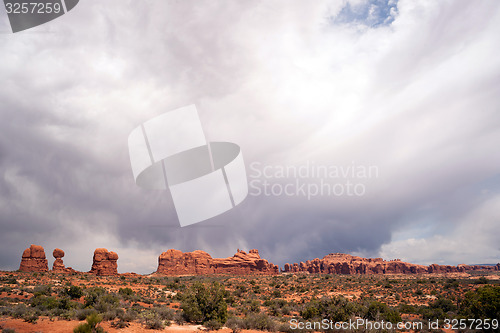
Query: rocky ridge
(340, 263)
(175, 262)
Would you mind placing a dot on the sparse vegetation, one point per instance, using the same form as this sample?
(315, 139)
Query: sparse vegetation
(265, 303)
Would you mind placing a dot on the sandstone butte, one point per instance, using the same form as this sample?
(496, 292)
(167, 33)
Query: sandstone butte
(340, 263)
(34, 260)
(104, 262)
(175, 262)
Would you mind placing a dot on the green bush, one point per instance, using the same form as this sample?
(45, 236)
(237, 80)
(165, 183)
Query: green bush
(482, 280)
(481, 304)
(152, 320)
(335, 309)
(202, 304)
(432, 313)
(42, 290)
(444, 304)
(235, 324)
(73, 292)
(213, 325)
(260, 322)
(380, 311)
(82, 314)
(91, 325)
(44, 303)
(92, 295)
(126, 292)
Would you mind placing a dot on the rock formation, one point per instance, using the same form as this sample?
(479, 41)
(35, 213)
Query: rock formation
(339, 263)
(34, 260)
(58, 265)
(175, 262)
(104, 262)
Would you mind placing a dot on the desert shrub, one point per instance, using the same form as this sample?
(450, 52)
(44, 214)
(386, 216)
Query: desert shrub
(44, 303)
(482, 303)
(334, 308)
(260, 322)
(42, 290)
(73, 292)
(5, 311)
(10, 280)
(19, 311)
(451, 284)
(202, 304)
(254, 306)
(8, 330)
(213, 325)
(68, 315)
(179, 318)
(126, 293)
(380, 311)
(444, 304)
(82, 314)
(152, 320)
(30, 317)
(112, 314)
(120, 324)
(129, 315)
(406, 308)
(164, 313)
(310, 311)
(235, 324)
(482, 280)
(431, 313)
(91, 325)
(92, 295)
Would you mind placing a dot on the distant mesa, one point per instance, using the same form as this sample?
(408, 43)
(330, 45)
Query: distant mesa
(104, 262)
(34, 260)
(175, 262)
(340, 263)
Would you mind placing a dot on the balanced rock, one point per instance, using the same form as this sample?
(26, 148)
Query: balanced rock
(175, 262)
(58, 265)
(104, 262)
(34, 260)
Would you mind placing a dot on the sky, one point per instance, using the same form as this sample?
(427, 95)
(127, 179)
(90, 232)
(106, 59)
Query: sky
(397, 100)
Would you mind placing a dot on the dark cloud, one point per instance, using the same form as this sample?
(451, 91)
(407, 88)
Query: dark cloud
(416, 97)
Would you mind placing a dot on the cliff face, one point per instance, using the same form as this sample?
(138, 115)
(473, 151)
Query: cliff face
(175, 262)
(34, 260)
(104, 262)
(339, 263)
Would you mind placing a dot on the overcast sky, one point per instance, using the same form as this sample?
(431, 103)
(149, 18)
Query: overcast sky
(411, 88)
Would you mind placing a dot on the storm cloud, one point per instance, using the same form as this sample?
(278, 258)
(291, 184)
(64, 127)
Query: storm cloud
(410, 87)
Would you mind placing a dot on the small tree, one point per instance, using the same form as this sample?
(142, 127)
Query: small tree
(202, 304)
(91, 325)
(74, 292)
(482, 303)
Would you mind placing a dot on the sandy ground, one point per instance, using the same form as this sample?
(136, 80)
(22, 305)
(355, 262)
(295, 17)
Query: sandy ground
(45, 325)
